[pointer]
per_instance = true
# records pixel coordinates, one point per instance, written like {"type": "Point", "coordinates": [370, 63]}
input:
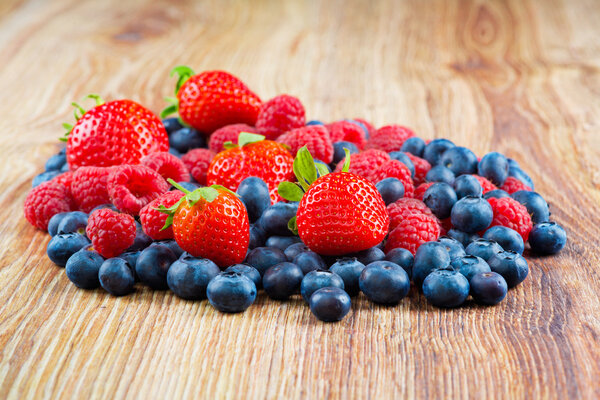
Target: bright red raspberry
{"type": "Point", "coordinates": [46, 200]}
{"type": "Point", "coordinates": [229, 133]}
{"type": "Point", "coordinates": [412, 231]}
{"type": "Point", "coordinates": [153, 220]}
{"type": "Point", "coordinates": [167, 165]}
{"type": "Point", "coordinates": [131, 187]}
{"type": "Point", "coordinates": [403, 207]}
{"type": "Point", "coordinates": [111, 232]}
{"type": "Point", "coordinates": [420, 190]}
{"type": "Point", "coordinates": [422, 167]}
{"type": "Point", "coordinates": [88, 187]}
{"type": "Point", "coordinates": [348, 132]}
{"type": "Point", "coordinates": [512, 184]}
{"type": "Point", "coordinates": [367, 124]}
{"type": "Point", "coordinates": [314, 137]}
{"type": "Point", "coordinates": [512, 214]}
{"type": "Point", "coordinates": [486, 184]}
{"type": "Point", "coordinates": [365, 163]}
{"type": "Point", "coordinates": [64, 179]}
{"type": "Point", "coordinates": [394, 169]}
{"type": "Point", "coordinates": [280, 115]}
{"type": "Point", "coordinates": [197, 162]}
{"type": "Point", "coordinates": [389, 138]}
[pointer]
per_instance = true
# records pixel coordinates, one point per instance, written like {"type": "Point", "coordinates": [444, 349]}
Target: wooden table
{"type": "Point", "coordinates": [521, 77]}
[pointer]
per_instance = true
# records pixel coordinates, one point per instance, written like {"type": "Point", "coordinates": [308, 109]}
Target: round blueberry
{"type": "Point", "coordinates": [73, 222]}
{"type": "Point", "coordinates": [445, 288]}
{"type": "Point", "coordinates": [429, 256]}
{"type": "Point", "coordinates": [185, 139]}
{"type": "Point", "coordinates": [404, 159]}
{"type": "Point", "coordinates": [494, 166]}
{"type": "Point", "coordinates": [496, 193]}
{"type": "Point", "coordinates": [512, 266]}
{"type": "Point", "coordinates": [470, 265]}
{"type": "Point", "coordinates": [338, 150]}
{"type": "Point", "coordinates": [188, 277]}
{"type": "Point", "coordinates": [172, 124]}
{"type": "Point", "coordinates": [254, 193]}
{"type": "Point", "coordinates": [414, 145]}
{"type": "Point", "coordinates": [55, 222]}
{"type": "Point", "coordinates": [44, 177]}
{"type": "Point", "coordinates": [517, 172]}
{"type": "Point", "coordinates": [471, 214]}
{"type": "Point", "coordinates": [384, 282]}
{"type": "Point", "coordinates": [369, 255]}
{"type": "Point", "coordinates": [172, 244]}
{"type": "Point", "coordinates": [439, 173]}
{"type": "Point", "coordinates": [63, 246]}
{"type": "Point", "coordinates": [483, 248]}
{"type": "Point", "coordinates": [314, 122]}
{"type": "Point", "coordinates": [282, 280]}
{"type": "Point", "coordinates": [141, 240]}
{"type": "Point", "coordinates": [65, 168]}
{"type": "Point", "coordinates": [282, 242]}
{"type": "Point", "coordinates": [403, 258]}
{"type": "Point", "coordinates": [56, 162]}
{"type": "Point", "coordinates": [294, 249]}
{"type": "Point", "coordinates": [263, 258]}
{"type": "Point", "coordinates": [257, 237]}
{"type": "Point", "coordinates": [488, 288]}
{"type": "Point", "coordinates": [467, 185]}
{"type": "Point", "coordinates": [131, 258]}
{"type": "Point", "coordinates": [274, 219]}
{"type": "Point", "coordinates": [535, 204]}
{"type": "Point", "coordinates": [309, 261]}
{"type": "Point", "coordinates": [459, 160]}
{"type": "Point", "coordinates": [547, 238]}
{"type": "Point", "coordinates": [391, 189]}
{"type": "Point", "coordinates": [349, 269]}
{"type": "Point", "coordinates": [231, 292]}
{"type": "Point", "coordinates": [248, 271]}
{"type": "Point", "coordinates": [463, 237]}
{"type": "Point", "coordinates": [440, 198]}
{"type": "Point", "coordinates": [453, 247]}
{"type": "Point", "coordinates": [434, 150]}
{"type": "Point", "coordinates": [153, 264]}
{"type": "Point", "coordinates": [330, 304]}
{"type": "Point", "coordinates": [508, 238]}
{"type": "Point", "coordinates": [319, 279]}
{"type": "Point", "coordinates": [82, 269]}
{"type": "Point", "coordinates": [116, 277]}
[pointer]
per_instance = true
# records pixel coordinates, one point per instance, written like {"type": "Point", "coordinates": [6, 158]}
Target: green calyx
{"type": "Point", "coordinates": [183, 74]}
{"type": "Point", "coordinates": [243, 139]}
{"type": "Point", "coordinates": [78, 112]}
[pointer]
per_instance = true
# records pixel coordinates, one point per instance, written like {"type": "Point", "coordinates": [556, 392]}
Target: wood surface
{"type": "Point", "coordinates": [521, 77]}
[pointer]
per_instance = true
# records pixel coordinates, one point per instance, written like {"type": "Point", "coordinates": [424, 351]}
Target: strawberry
{"type": "Point", "coordinates": [211, 100]}
{"type": "Point", "coordinates": [253, 156]}
{"type": "Point", "coordinates": [113, 133]}
{"type": "Point", "coordinates": [339, 212]}
{"type": "Point", "coordinates": [210, 222]}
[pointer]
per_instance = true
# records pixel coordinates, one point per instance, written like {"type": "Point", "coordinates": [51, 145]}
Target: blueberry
{"type": "Point", "coordinates": [324, 165]}
{"type": "Point", "coordinates": [470, 265]}
{"type": "Point", "coordinates": [319, 279]}
{"type": "Point", "coordinates": [263, 258]}
{"type": "Point", "coordinates": [547, 238]}
{"type": "Point", "coordinates": [116, 277]}
{"type": "Point", "coordinates": [453, 247]}
{"type": "Point", "coordinates": [517, 172]}
{"type": "Point", "coordinates": [56, 162]}
{"type": "Point", "coordinates": [187, 186]}
{"type": "Point", "coordinates": [414, 145]}
{"type": "Point", "coordinates": [471, 214]}
{"type": "Point", "coordinates": [44, 177]}
{"type": "Point", "coordinates": [459, 160]}
{"type": "Point", "coordinates": [274, 219]}
{"type": "Point", "coordinates": [434, 150]}
{"type": "Point", "coordinates": [65, 168]}
{"type": "Point", "coordinates": [535, 204]}
{"type": "Point", "coordinates": [172, 244]}
{"type": "Point", "coordinates": [188, 277]}
{"type": "Point", "coordinates": [282, 280]}
{"type": "Point", "coordinates": [141, 240]}
{"type": "Point", "coordinates": [512, 266]}
{"type": "Point", "coordinates": [152, 265]}
{"type": "Point", "coordinates": [462, 237]}
{"type": "Point", "coordinates": [483, 248]}
{"type": "Point", "coordinates": [186, 139]}
{"type": "Point", "coordinates": [349, 269]}
{"type": "Point", "coordinates": [488, 288]}
{"type": "Point", "coordinates": [330, 304]}
{"type": "Point", "coordinates": [314, 122]}
{"type": "Point", "coordinates": [404, 159]}
{"type": "Point", "coordinates": [496, 193]}
{"type": "Point", "coordinates": [62, 246]}
{"type": "Point", "coordinates": [257, 237]}
{"type": "Point", "coordinates": [384, 282]}
{"type": "Point", "coordinates": [282, 242]}
{"type": "Point", "coordinates": [73, 222]}
{"type": "Point", "coordinates": [55, 222]}
{"type": "Point", "coordinates": [391, 189]}
{"type": "Point", "coordinates": [507, 238]}
{"type": "Point", "coordinates": [439, 173]}
{"type": "Point", "coordinates": [362, 126]}
{"type": "Point", "coordinates": [467, 185]}
{"type": "Point", "coordinates": [131, 258]}
{"type": "Point", "coordinates": [403, 258]}
{"type": "Point", "coordinates": [254, 193]}
{"type": "Point", "coordinates": [369, 255]}
{"type": "Point", "coordinates": [82, 268]}
{"type": "Point", "coordinates": [172, 124]}
{"type": "Point", "coordinates": [429, 256]}
{"type": "Point", "coordinates": [494, 166]}
{"type": "Point", "coordinates": [294, 249]}
{"type": "Point", "coordinates": [338, 150]}
{"type": "Point", "coordinates": [440, 198]}
{"type": "Point", "coordinates": [445, 288]}
{"type": "Point", "coordinates": [249, 272]}
{"type": "Point", "coordinates": [231, 292]}
{"type": "Point", "coordinates": [309, 261]}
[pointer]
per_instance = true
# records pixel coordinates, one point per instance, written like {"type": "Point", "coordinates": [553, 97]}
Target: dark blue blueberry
{"type": "Point", "coordinates": [309, 261]}
{"type": "Point", "coordinates": [172, 124]}
{"type": "Point", "coordinates": [446, 288]}
{"type": "Point", "coordinates": [102, 206]}
{"type": "Point", "coordinates": [231, 292]}
{"type": "Point", "coordinates": [257, 237]}
{"type": "Point", "coordinates": [152, 265]}
{"type": "Point", "coordinates": [73, 222]}
{"type": "Point", "coordinates": [404, 159]}
{"type": "Point", "coordinates": [470, 265]}
{"type": "Point", "coordinates": [384, 282]}
{"type": "Point", "coordinates": [56, 162]}
{"type": "Point", "coordinates": [453, 247]}
{"type": "Point", "coordinates": [172, 244]}
{"type": "Point", "coordinates": [429, 256]}
{"type": "Point", "coordinates": [55, 222]}
{"type": "Point", "coordinates": [496, 193]}
{"type": "Point", "coordinates": [471, 214]}
{"type": "Point", "coordinates": [63, 246]}
{"type": "Point", "coordinates": [512, 266]}
{"type": "Point", "coordinates": [294, 249]}
{"type": "Point", "coordinates": [188, 277]}
{"type": "Point", "coordinates": [314, 122]}
{"type": "Point", "coordinates": [439, 173]}
{"type": "Point", "coordinates": [434, 150]}
{"type": "Point", "coordinates": [131, 258]}
{"type": "Point", "coordinates": [324, 165]}
{"type": "Point", "coordinates": [116, 277]}
{"type": "Point", "coordinates": [521, 175]}
{"type": "Point", "coordinates": [263, 258]}
{"type": "Point", "coordinates": [330, 304]}
{"type": "Point", "coordinates": [254, 193]}
{"type": "Point", "coordinates": [319, 279]}
{"type": "Point", "coordinates": [403, 258]}
{"type": "Point", "coordinates": [547, 238]}
{"type": "Point", "coordinates": [82, 268]}
{"type": "Point", "coordinates": [369, 255]}
{"type": "Point", "coordinates": [282, 242]}
{"type": "Point", "coordinates": [44, 177]}
{"type": "Point", "coordinates": [248, 271]}
{"type": "Point", "coordinates": [274, 219]}
{"type": "Point", "coordinates": [508, 238]}
{"type": "Point", "coordinates": [349, 269]}
{"type": "Point", "coordinates": [391, 189]}
{"type": "Point", "coordinates": [463, 237]}
{"type": "Point", "coordinates": [186, 139]}
{"type": "Point", "coordinates": [494, 166]}
{"type": "Point", "coordinates": [175, 152]}
{"type": "Point", "coordinates": [535, 204]}
{"type": "Point", "coordinates": [64, 168]}
{"type": "Point", "coordinates": [282, 280]}
{"type": "Point", "coordinates": [414, 145]}
{"type": "Point", "coordinates": [141, 240]}
{"type": "Point", "coordinates": [483, 248]}
{"type": "Point", "coordinates": [488, 288]}
{"type": "Point", "coordinates": [467, 185]}
{"type": "Point", "coordinates": [187, 186]}
{"type": "Point", "coordinates": [338, 150]}
{"type": "Point", "coordinates": [459, 160]}
{"type": "Point", "coordinates": [440, 198]}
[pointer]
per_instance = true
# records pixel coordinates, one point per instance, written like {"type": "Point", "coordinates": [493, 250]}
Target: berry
{"type": "Point", "coordinates": [483, 248]}
{"type": "Point", "coordinates": [547, 238]}
{"type": "Point", "coordinates": [153, 220]}
{"type": "Point", "coordinates": [347, 131]}
{"type": "Point", "coordinates": [55, 222]}
{"type": "Point", "coordinates": [229, 133]}
{"type": "Point", "coordinates": [263, 258]}
{"type": "Point", "coordinates": [414, 145]}
{"type": "Point", "coordinates": [110, 232]}
{"type": "Point", "coordinates": [422, 167]}
{"type": "Point", "coordinates": [433, 150]}
{"type": "Point", "coordinates": [309, 261]}
{"type": "Point", "coordinates": [512, 185]}
{"type": "Point", "coordinates": [519, 174]}
{"type": "Point", "coordinates": [274, 219]}
{"type": "Point", "coordinates": [324, 168]}
{"type": "Point", "coordinates": [453, 247]}
{"type": "Point", "coordinates": [391, 189]}
{"type": "Point", "coordinates": [469, 266]}
{"type": "Point", "coordinates": [369, 255]}
{"type": "Point", "coordinates": [231, 292]}
{"type": "Point", "coordinates": [459, 160]}
{"type": "Point", "coordinates": [403, 258]}
{"type": "Point", "coordinates": [330, 304]}
{"type": "Point", "coordinates": [171, 124]}
{"type": "Point", "coordinates": [131, 257]}
{"type": "Point", "coordinates": [167, 165]}
{"type": "Point", "coordinates": [89, 187]}
{"type": "Point", "coordinates": [257, 237]}
{"type": "Point", "coordinates": [444, 288]}
{"type": "Point", "coordinates": [188, 277]}
{"type": "Point", "coordinates": [152, 265]}
{"type": "Point", "coordinates": [389, 138]}
{"type": "Point", "coordinates": [505, 237]}
{"type": "Point", "coordinates": [467, 185]}
{"type": "Point", "coordinates": [421, 189]}
{"type": "Point", "coordinates": [401, 208]}
{"type": "Point", "coordinates": [349, 269]}
{"type": "Point", "coordinates": [44, 177]}
{"type": "Point", "coordinates": [535, 204]}
{"type": "Point", "coordinates": [488, 288]}
{"type": "Point", "coordinates": [314, 122]}
{"type": "Point", "coordinates": [197, 161]}
{"type": "Point", "coordinates": [175, 152]}
{"type": "Point", "coordinates": [404, 159]}
{"type": "Point", "coordinates": [394, 169]}
{"type": "Point", "coordinates": [471, 214]}
{"type": "Point", "coordinates": [56, 162]}
{"type": "Point", "coordinates": [186, 139]}
{"type": "Point", "coordinates": [82, 268]}
{"type": "Point", "coordinates": [494, 166]}
{"type": "Point", "coordinates": [318, 279]}
{"type": "Point", "coordinates": [254, 193]}
{"type": "Point", "coordinates": [315, 138]}
{"type": "Point", "coordinates": [429, 257]}
{"type": "Point", "coordinates": [339, 152]}
{"type": "Point", "coordinates": [131, 187]}
{"type": "Point", "coordinates": [116, 277]}
{"type": "Point", "coordinates": [280, 115]}
{"type": "Point", "coordinates": [512, 266]}
{"type": "Point", "coordinates": [486, 185]}
{"type": "Point", "coordinates": [73, 222]}
{"type": "Point", "coordinates": [510, 213]}
{"type": "Point", "coordinates": [497, 193]}
{"type": "Point", "coordinates": [412, 231]}
{"type": "Point", "coordinates": [384, 282]}
{"type": "Point", "coordinates": [64, 245]}
{"type": "Point", "coordinates": [282, 242]}
{"type": "Point", "coordinates": [440, 198]}
{"type": "Point", "coordinates": [365, 163]}
{"type": "Point", "coordinates": [249, 272]}
{"type": "Point", "coordinates": [45, 201]}
{"type": "Point", "coordinates": [440, 173]}
{"type": "Point", "coordinates": [282, 280]}
{"type": "Point", "coordinates": [367, 126]}
{"type": "Point", "coordinates": [463, 237]}
{"type": "Point", "coordinates": [294, 249]}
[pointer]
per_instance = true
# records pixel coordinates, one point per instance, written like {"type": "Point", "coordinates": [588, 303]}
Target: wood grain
{"type": "Point", "coordinates": [521, 77]}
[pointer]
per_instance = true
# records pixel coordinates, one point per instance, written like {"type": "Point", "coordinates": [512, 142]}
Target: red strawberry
{"type": "Point", "coordinates": [153, 220]}
{"type": "Point", "coordinates": [279, 115]}
{"type": "Point", "coordinates": [314, 137]}
{"type": "Point", "coordinates": [111, 232]}
{"type": "Point", "coordinates": [212, 99]}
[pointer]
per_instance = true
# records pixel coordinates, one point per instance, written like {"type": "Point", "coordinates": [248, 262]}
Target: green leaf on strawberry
{"type": "Point", "coordinates": [290, 191]}
{"type": "Point", "coordinates": [293, 226]}
{"type": "Point", "coordinates": [78, 113]}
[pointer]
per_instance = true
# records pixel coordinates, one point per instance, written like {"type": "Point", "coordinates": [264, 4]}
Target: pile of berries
{"type": "Point", "coordinates": [238, 195]}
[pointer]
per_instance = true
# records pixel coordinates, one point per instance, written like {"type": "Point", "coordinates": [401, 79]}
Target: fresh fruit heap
{"type": "Point", "coordinates": [237, 195]}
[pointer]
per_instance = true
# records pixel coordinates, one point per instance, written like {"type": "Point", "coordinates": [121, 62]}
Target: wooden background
{"type": "Point", "coordinates": [521, 77]}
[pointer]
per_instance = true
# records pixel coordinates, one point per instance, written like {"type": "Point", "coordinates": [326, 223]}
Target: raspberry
{"type": "Point", "coordinates": [131, 187]}
{"type": "Point", "coordinates": [280, 115]}
{"type": "Point", "coordinates": [111, 232]}
{"type": "Point", "coordinates": [404, 207]}
{"type": "Point", "coordinates": [64, 179]}
{"type": "Point", "coordinates": [512, 184]}
{"type": "Point", "coordinates": [88, 187]}
{"type": "Point", "coordinates": [394, 169]}
{"type": "Point", "coordinates": [512, 214]}
{"type": "Point", "coordinates": [420, 190]}
{"type": "Point", "coordinates": [228, 133]}
{"type": "Point", "coordinates": [422, 167]}
{"type": "Point", "coordinates": [167, 165]}
{"type": "Point", "coordinates": [153, 220]}
{"type": "Point", "coordinates": [367, 125]}
{"type": "Point", "coordinates": [412, 231]}
{"type": "Point", "coordinates": [347, 131]}
{"type": "Point", "coordinates": [366, 163]}
{"type": "Point", "coordinates": [389, 138]}
{"type": "Point", "coordinates": [485, 183]}
{"type": "Point", "coordinates": [197, 162]}
{"type": "Point", "coordinates": [46, 200]}
{"type": "Point", "coordinates": [314, 137]}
